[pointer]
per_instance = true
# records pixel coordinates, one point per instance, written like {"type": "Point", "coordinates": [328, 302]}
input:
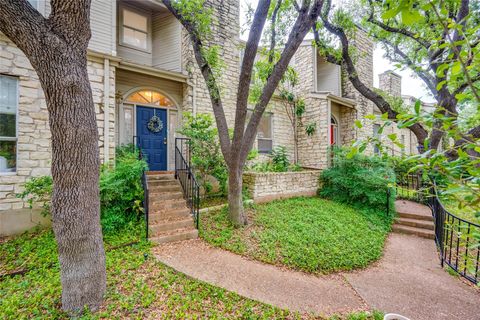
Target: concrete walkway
{"type": "Point", "coordinates": [408, 280]}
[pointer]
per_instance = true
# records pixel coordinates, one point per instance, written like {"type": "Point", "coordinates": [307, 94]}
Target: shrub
{"type": "Point", "coordinates": [278, 162]}
{"type": "Point", "coordinates": [206, 156]}
{"type": "Point", "coordinates": [358, 180]}
{"type": "Point", "coordinates": [38, 190]}
{"type": "Point", "coordinates": [121, 191]}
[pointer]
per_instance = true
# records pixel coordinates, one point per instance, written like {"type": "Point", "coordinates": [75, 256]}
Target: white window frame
{"type": "Point", "coordinates": [14, 139]}
{"type": "Point", "coordinates": [145, 14]}
{"type": "Point", "coordinates": [271, 133]}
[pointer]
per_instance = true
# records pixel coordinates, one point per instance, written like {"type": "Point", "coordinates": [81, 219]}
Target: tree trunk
{"type": "Point", "coordinates": [75, 172]}
{"type": "Point", "coordinates": [236, 211]}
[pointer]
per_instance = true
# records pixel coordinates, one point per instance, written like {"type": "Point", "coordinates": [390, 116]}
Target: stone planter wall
{"type": "Point", "coordinates": [268, 186]}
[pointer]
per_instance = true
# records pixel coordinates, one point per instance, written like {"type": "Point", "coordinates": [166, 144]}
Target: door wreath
{"type": "Point", "coordinates": [155, 125]}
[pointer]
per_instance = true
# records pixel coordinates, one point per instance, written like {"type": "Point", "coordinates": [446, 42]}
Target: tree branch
{"type": "Point", "coordinates": [245, 77]}
{"type": "Point", "coordinates": [303, 24]}
{"type": "Point", "coordinates": [391, 29]}
{"type": "Point", "coordinates": [379, 101]}
{"type": "Point", "coordinates": [208, 75]}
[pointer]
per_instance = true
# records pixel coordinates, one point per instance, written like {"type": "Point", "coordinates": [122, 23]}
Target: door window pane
{"type": "Point", "coordinates": [8, 156]}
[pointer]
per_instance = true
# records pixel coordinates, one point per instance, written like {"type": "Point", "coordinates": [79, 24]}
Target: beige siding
{"type": "Point", "coordinates": [166, 43]}
{"type": "Point", "coordinates": [127, 80]}
{"type": "Point", "coordinates": [328, 77]}
{"type": "Point", "coordinates": [102, 22]}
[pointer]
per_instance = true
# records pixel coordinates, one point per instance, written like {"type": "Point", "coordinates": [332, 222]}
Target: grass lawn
{"type": "Point", "coordinates": [308, 234]}
{"type": "Point", "coordinates": [137, 288]}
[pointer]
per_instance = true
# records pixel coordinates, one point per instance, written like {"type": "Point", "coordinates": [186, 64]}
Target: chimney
{"type": "Point", "coordinates": [391, 83]}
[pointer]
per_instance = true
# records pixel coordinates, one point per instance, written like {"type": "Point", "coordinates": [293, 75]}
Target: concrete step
{"type": "Point", "coordinates": [167, 205]}
{"type": "Point", "coordinates": [157, 217]}
{"type": "Point", "coordinates": [423, 224]}
{"type": "Point", "coordinates": [156, 173]}
{"type": "Point", "coordinates": [415, 216]}
{"type": "Point", "coordinates": [162, 196]}
{"type": "Point", "coordinates": [163, 182]}
{"type": "Point", "coordinates": [164, 188]}
{"type": "Point", "coordinates": [420, 232]}
{"type": "Point", "coordinates": [170, 225]}
{"type": "Point", "coordinates": [158, 177]}
{"type": "Point", "coordinates": [177, 235]}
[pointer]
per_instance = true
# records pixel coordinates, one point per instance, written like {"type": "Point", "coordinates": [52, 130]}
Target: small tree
{"type": "Point", "coordinates": [195, 17]}
{"type": "Point", "coordinates": [57, 49]}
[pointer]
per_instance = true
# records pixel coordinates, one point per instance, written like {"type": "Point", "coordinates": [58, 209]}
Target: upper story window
{"type": "Point", "coordinates": [8, 123]}
{"type": "Point", "coordinates": [135, 29]}
{"type": "Point", "coordinates": [376, 129]}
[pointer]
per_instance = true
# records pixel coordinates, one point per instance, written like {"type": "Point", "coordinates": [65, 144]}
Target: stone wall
{"type": "Point", "coordinates": [314, 150]}
{"type": "Point", "coordinates": [33, 131]}
{"type": "Point", "coordinates": [364, 66]}
{"type": "Point", "coordinates": [226, 34]}
{"type": "Point", "coordinates": [268, 186]}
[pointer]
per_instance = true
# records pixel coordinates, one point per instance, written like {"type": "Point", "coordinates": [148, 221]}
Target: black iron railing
{"type": "Point", "coordinates": [457, 240]}
{"type": "Point", "coordinates": [184, 174]}
{"type": "Point", "coordinates": [411, 187]}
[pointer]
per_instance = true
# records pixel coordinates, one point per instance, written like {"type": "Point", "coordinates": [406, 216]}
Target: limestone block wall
{"type": "Point", "coordinates": [364, 66]}
{"type": "Point", "coordinates": [225, 31]}
{"type": "Point", "coordinates": [267, 186]}
{"type": "Point", "coordinates": [313, 150]}
{"type": "Point", "coordinates": [33, 131]}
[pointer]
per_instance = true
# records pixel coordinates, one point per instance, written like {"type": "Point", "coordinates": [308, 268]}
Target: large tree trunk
{"type": "Point", "coordinates": [57, 49]}
{"type": "Point", "coordinates": [75, 171]}
{"type": "Point", "coordinates": [236, 211]}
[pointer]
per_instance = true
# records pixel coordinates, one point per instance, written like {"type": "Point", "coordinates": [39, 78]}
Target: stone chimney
{"type": "Point", "coordinates": [391, 83]}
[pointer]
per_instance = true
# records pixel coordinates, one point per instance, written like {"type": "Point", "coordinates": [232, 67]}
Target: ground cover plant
{"type": "Point", "coordinates": [138, 287]}
{"type": "Point", "coordinates": [308, 234]}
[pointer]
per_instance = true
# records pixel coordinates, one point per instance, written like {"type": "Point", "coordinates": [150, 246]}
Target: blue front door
{"type": "Point", "coordinates": [153, 141]}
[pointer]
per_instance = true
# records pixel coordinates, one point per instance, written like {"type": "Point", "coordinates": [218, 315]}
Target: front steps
{"type": "Point", "coordinates": [169, 217]}
{"type": "Point", "coordinates": [413, 218]}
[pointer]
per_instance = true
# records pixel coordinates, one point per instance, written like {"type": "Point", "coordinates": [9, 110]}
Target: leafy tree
{"type": "Point", "coordinates": [195, 16]}
{"type": "Point", "coordinates": [57, 49]}
{"type": "Point", "coordinates": [206, 156]}
{"type": "Point", "coordinates": [439, 41]}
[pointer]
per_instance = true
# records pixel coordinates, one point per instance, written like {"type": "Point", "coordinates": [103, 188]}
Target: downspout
{"type": "Point", "coordinates": [106, 110]}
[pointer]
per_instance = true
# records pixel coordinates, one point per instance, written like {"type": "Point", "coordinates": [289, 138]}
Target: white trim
{"type": "Point", "coordinates": [17, 112]}
{"type": "Point", "coordinates": [121, 8]}
{"type": "Point", "coordinates": [141, 88]}
{"type": "Point", "coordinates": [106, 110]}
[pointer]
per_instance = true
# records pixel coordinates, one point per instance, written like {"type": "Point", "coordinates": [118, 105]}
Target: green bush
{"type": "Point", "coordinates": [278, 162]}
{"type": "Point", "coordinates": [359, 180]}
{"type": "Point", "coordinates": [121, 191]}
{"type": "Point", "coordinates": [38, 190]}
{"type": "Point", "coordinates": [207, 159]}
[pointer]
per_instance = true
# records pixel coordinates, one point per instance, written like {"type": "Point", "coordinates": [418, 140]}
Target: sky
{"type": "Point", "coordinates": [411, 85]}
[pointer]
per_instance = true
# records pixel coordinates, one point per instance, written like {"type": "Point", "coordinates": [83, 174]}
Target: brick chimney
{"type": "Point", "coordinates": [391, 83]}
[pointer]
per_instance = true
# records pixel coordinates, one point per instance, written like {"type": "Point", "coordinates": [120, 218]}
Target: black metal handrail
{"type": "Point", "coordinates": [184, 174]}
{"type": "Point", "coordinates": [457, 239]}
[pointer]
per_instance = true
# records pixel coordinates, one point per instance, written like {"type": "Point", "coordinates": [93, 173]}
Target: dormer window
{"type": "Point", "coordinates": [135, 31]}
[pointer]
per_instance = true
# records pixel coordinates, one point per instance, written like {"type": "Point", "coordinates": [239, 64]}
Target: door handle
{"type": "Point", "coordinates": [164, 140]}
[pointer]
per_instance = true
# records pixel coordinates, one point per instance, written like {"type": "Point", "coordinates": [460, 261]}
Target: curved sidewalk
{"type": "Point", "coordinates": [408, 280]}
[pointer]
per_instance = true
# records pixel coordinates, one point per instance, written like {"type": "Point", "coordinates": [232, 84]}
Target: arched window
{"type": "Point", "coordinates": [334, 139]}
{"type": "Point", "coordinates": [149, 97]}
